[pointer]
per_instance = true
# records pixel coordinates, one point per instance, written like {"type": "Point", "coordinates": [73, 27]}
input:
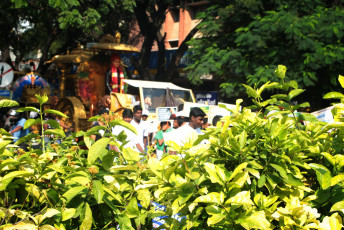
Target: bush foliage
{"type": "Point", "coordinates": [261, 170]}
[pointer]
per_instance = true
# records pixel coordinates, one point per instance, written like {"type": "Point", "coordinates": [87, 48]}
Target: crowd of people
{"type": "Point", "coordinates": [150, 136]}
{"type": "Point", "coordinates": [154, 137]}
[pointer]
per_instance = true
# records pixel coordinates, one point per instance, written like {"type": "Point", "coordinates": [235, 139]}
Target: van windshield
{"type": "Point", "coordinates": [154, 98]}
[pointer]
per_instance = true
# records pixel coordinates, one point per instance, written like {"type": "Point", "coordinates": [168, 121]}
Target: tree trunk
{"type": "Point", "coordinates": [149, 23]}
{"type": "Point", "coordinates": [172, 69]}
{"type": "Point", "coordinates": [161, 65]}
{"type": "Point", "coordinates": [42, 67]}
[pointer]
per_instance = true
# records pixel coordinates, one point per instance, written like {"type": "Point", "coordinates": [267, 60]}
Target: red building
{"type": "Point", "coordinates": [179, 22]}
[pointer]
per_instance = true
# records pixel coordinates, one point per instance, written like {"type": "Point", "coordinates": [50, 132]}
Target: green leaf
{"type": "Point", "coordinates": [144, 196]}
{"type": "Point", "coordinates": [238, 170]}
{"type": "Point", "coordinates": [31, 122]}
{"type": "Point", "coordinates": [216, 174]}
{"type": "Point", "coordinates": [131, 155]}
{"type": "Point", "coordinates": [57, 132]}
{"type": "Point", "coordinates": [57, 168]}
{"type": "Point", "coordinates": [27, 109]}
{"type": "Point", "coordinates": [255, 220]}
{"type": "Point", "coordinates": [10, 176]}
{"type": "Point", "coordinates": [261, 89]}
{"type": "Point", "coordinates": [242, 139]}
{"type": "Point", "coordinates": [124, 124]}
{"type": "Point", "coordinates": [53, 123]}
{"type": "Point", "coordinates": [295, 93]}
{"type": "Point", "coordinates": [71, 193]}
{"type": "Point", "coordinates": [4, 143]}
{"type": "Point", "coordinates": [280, 71]}
{"type": "Point", "coordinates": [58, 113]}
{"type": "Point", "coordinates": [98, 191]}
{"type": "Point", "coordinates": [323, 175]}
{"type": "Point", "coordinates": [250, 91]}
{"type": "Point", "coordinates": [108, 161]}
{"type": "Point", "coordinates": [281, 97]}
{"type": "Point", "coordinates": [334, 95]}
{"type": "Point", "coordinates": [280, 170]}
{"type": "Point", "coordinates": [124, 222]}
{"type": "Point", "coordinates": [242, 198]}
{"type": "Point", "coordinates": [338, 207]}
{"type": "Point", "coordinates": [87, 222]}
{"type": "Point", "coordinates": [156, 166]}
{"type": "Point", "coordinates": [68, 213]}
{"type": "Point", "coordinates": [291, 180]}
{"type": "Point", "coordinates": [214, 219]}
{"type": "Point", "coordinates": [261, 181]}
{"type": "Point", "coordinates": [340, 79]}
{"type": "Point", "coordinates": [116, 196]}
{"type": "Point", "coordinates": [8, 103]}
{"type": "Point", "coordinates": [337, 179]}
{"type": "Point", "coordinates": [132, 210]}
{"type": "Point", "coordinates": [212, 198]}
{"type": "Point", "coordinates": [42, 99]}
{"type": "Point", "coordinates": [307, 117]}
{"type": "Point", "coordinates": [48, 214]}
{"type": "Point", "coordinates": [97, 149]}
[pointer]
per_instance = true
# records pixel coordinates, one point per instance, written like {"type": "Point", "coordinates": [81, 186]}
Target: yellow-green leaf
{"type": "Point", "coordinates": [97, 149]}
{"type": "Point", "coordinates": [87, 222]}
{"type": "Point", "coordinates": [68, 213]}
{"type": "Point", "coordinates": [338, 207]}
{"type": "Point", "coordinates": [341, 80]}
{"type": "Point", "coordinates": [98, 191]}
{"type": "Point", "coordinates": [131, 155]}
{"type": "Point", "coordinates": [144, 196]}
{"type": "Point", "coordinates": [256, 220]}
{"type": "Point", "coordinates": [213, 197]}
{"type": "Point", "coordinates": [242, 198]}
{"type": "Point", "coordinates": [238, 170]}
{"type": "Point", "coordinates": [337, 179]}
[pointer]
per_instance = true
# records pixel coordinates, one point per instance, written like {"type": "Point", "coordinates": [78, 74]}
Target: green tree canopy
{"type": "Point", "coordinates": [244, 41]}
{"type": "Point", "coordinates": [58, 25]}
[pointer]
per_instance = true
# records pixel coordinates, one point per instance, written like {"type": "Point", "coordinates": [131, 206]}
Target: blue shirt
{"type": "Point", "coordinates": [22, 132]}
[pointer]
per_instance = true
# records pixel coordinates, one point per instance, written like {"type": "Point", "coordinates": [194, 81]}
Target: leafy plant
{"type": "Point", "coordinates": [261, 170]}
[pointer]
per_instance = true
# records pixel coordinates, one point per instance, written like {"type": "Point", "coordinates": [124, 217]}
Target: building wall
{"type": "Point", "coordinates": [178, 23]}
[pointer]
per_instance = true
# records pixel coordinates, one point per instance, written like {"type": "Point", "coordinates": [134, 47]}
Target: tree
{"type": "Point", "coordinates": [56, 26]}
{"type": "Point", "coordinates": [150, 16]}
{"type": "Point", "coordinates": [244, 41]}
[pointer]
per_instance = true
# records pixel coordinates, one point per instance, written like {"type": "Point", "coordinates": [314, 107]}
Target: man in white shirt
{"type": "Point", "coordinates": [132, 138]}
{"type": "Point", "coordinates": [140, 126]}
{"type": "Point", "coordinates": [187, 132]}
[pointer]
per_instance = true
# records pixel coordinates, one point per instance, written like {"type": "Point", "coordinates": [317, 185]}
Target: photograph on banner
{"type": "Point", "coordinates": [164, 113]}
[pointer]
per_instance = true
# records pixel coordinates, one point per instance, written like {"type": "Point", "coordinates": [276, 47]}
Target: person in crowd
{"type": "Point", "coordinates": [216, 119]}
{"type": "Point", "coordinates": [115, 76]}
{"type": "Point", "coordinates": [140, 126]}
{"type": "Point", "coordinates": [188, 132]}
{"type": "Point", "coordinates": [145, 114]}
{"type": "Point", "coordinates": [131, 139]}
{"type": "Point", "coordinates": [175, 123]}
{"type": "Point", "coordinates": [104, 103]}
{"type": "Point", "coordinates": [101, 132]}
{"type": "Point", "coordinates": [6, 121]}
{"type": "Point", "coordinates": [175, 134]}
{"type": "Point", "coordinates": [160, 144]}
{"type": "Point", "coordinates": [147, 127]}
{"type": "Point", "coordinates": [17, 125]}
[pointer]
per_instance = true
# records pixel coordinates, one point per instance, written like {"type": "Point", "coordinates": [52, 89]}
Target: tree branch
{"type": "Point", "coordinates": [172, 69]}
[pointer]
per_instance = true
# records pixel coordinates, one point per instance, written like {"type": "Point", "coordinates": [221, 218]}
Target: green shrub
{"type": "Point", "coordinates": [261, 170]}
